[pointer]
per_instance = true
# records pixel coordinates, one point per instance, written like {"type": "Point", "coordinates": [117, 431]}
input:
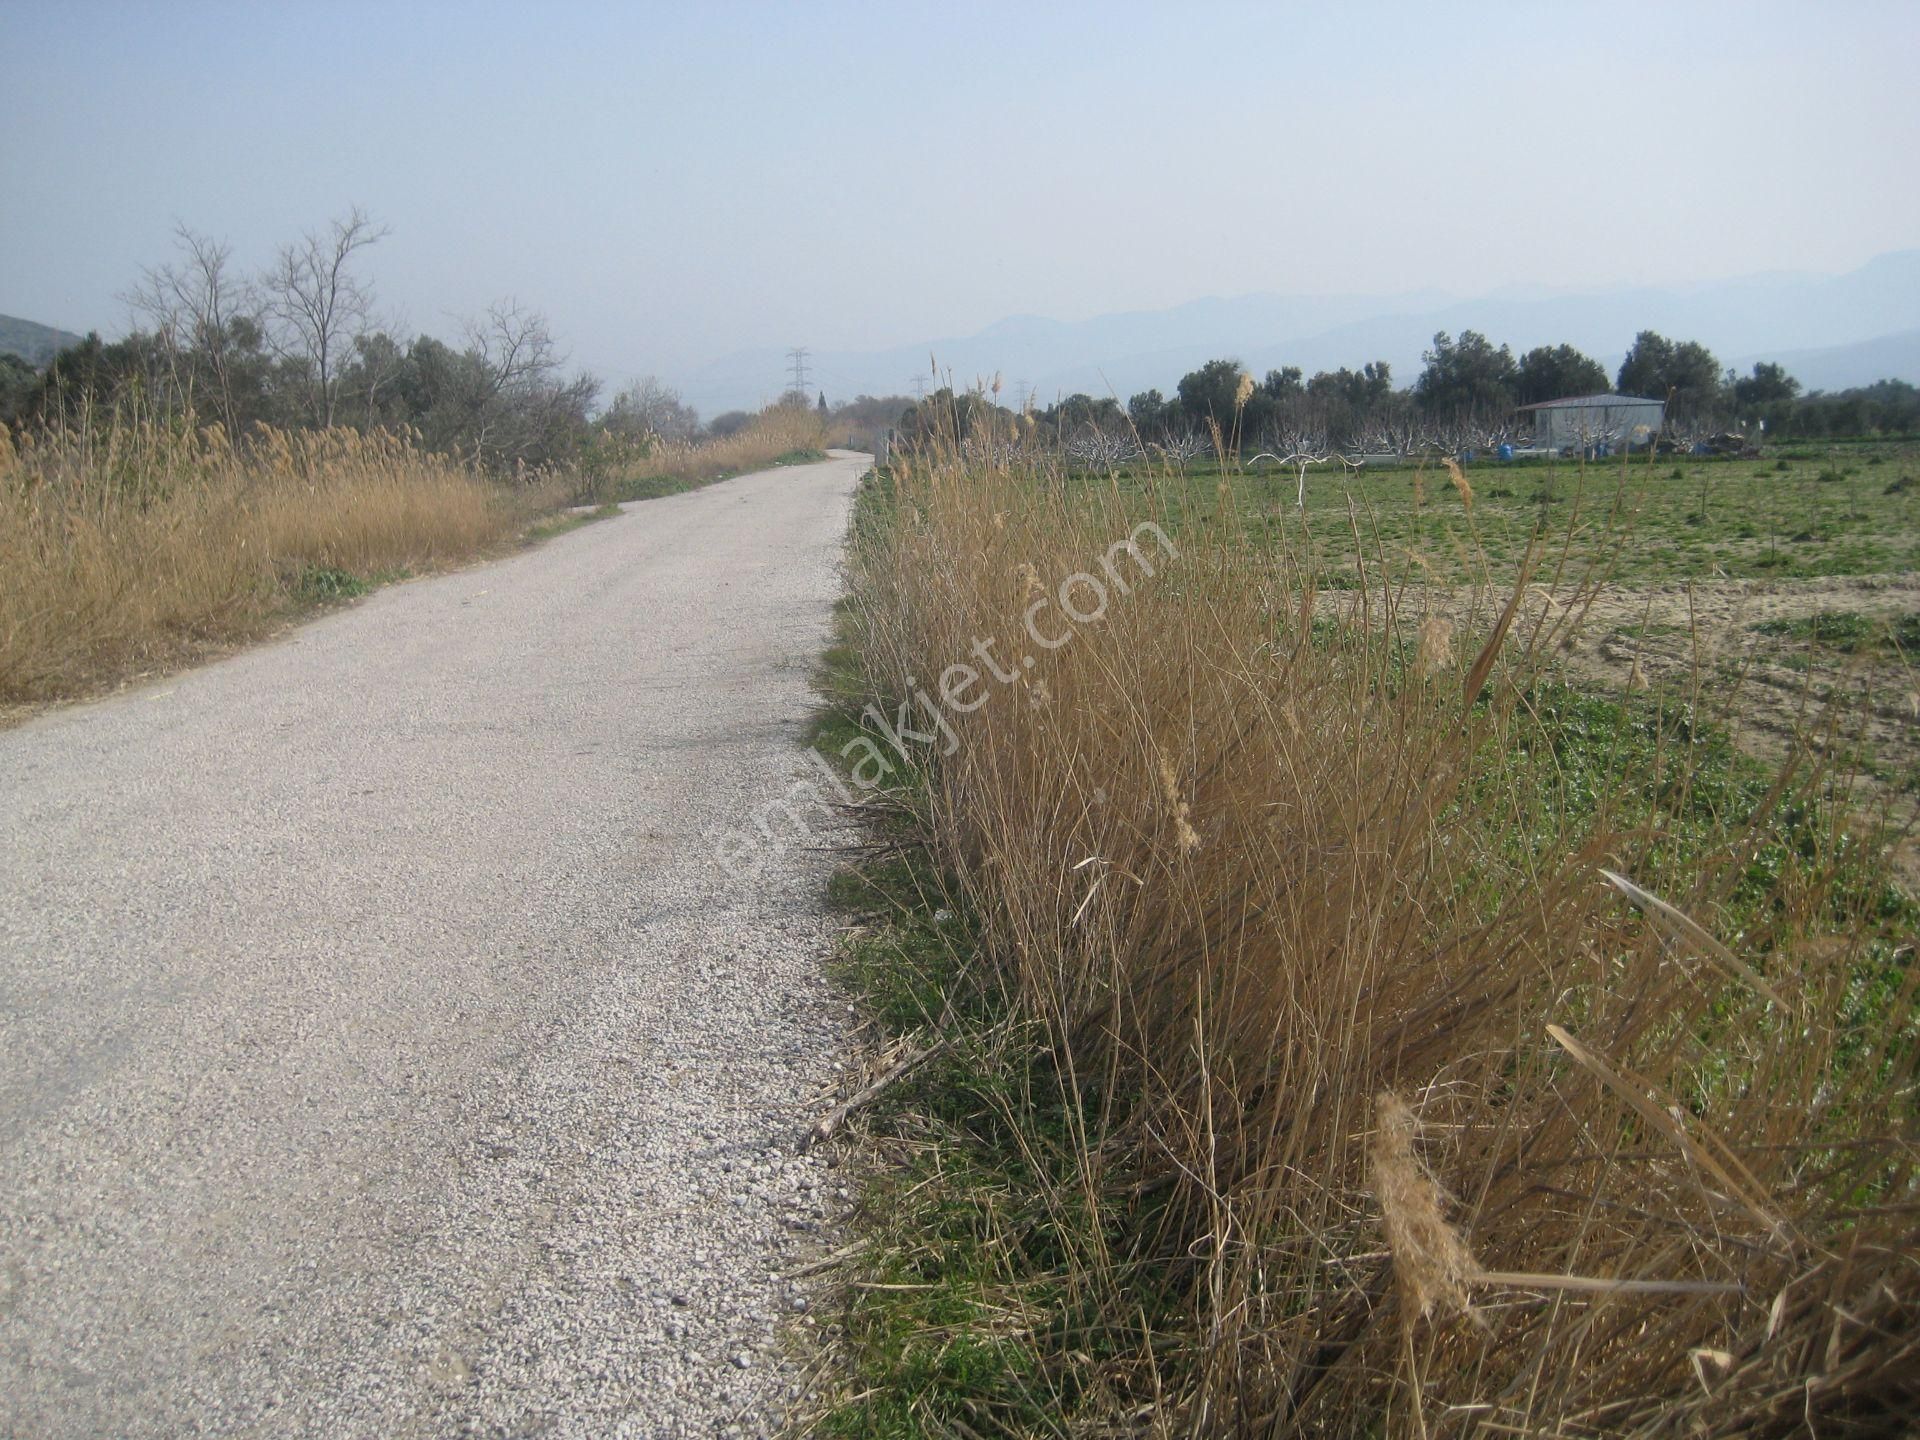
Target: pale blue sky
{"type": "Point", "coordinates": [672, 182]}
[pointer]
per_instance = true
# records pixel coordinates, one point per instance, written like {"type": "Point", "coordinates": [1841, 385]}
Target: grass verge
{"type": "Point", "coordinates": [571, 520]}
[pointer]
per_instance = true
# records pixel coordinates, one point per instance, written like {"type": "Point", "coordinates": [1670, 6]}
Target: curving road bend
{"type": "Point", "coordinates": [382, 1052]}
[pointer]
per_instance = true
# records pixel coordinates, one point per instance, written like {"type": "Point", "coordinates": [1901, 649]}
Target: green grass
{"type": "Point", "coordinates": [318, 586]}
{"type": "Point", "coordinates": [960, 1318]}
{"type": "Point", "coordinates": [1849, 633]}
{"type": "Point", "coordinates": [1678, 776]}
{"type": "Point", "coordinates": [958, 1222]}
{"type": "Point", "coordinates": [1665, 522]}
{"type": "Point", "coordinates": [561, 524]}
{"type": "Point", "coordinates": [325, 586]}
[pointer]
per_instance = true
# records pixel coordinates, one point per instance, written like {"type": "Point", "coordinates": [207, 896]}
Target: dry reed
{"type": "Point", "coordinates": [778, 431]}
{"type": "Point", "coordinates": [132, 545]}
{"type": "Point", "coordinates": [1342, 881]}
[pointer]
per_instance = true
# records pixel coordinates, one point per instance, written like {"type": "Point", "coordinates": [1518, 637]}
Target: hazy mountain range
{"type": "Point", "coordinates": [34, 343]}
{"type": "Point", "coordinates": [1831, 331]}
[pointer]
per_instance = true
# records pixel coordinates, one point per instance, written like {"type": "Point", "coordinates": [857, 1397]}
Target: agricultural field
{"type": "Point", "coordinates": [1653, 520]}
{"type": "Point", "coordinates": [1762, 590]}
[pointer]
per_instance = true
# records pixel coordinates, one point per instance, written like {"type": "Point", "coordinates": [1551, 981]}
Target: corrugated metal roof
{"type": "Point", "coordinates": [1591, 402]}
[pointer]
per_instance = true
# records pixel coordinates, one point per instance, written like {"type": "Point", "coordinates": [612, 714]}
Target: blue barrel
{"type": "Point", "coordinates": [1506, 452]}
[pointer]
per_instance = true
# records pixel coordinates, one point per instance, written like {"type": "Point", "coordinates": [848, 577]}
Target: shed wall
{"type": "Point", "coordinates": [1635, 422]}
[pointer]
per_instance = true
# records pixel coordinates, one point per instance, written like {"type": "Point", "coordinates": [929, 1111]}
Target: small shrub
{"type": "Point", "coordinates": [322, 584]}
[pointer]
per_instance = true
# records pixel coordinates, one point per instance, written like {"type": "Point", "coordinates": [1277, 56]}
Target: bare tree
{"type": "Point", "coordinates": [523, 411]}
{"type": "Point", "coordinates": [1398, 435]}
{"type": "Point", "coordinates": [518, 357]}
{"type": "Point", "coordinates": [1094, 446]}
{"type": "Point", "coordinates": [318, 306]}
{"type": "Point", "coordinates": [198, 308]}
{"type": "Point", "coordinates": [515, 344]}
{"type": "Point", "coordinates": [648, 407]}
{"type": "Point", "coordinates": [1182, 446]}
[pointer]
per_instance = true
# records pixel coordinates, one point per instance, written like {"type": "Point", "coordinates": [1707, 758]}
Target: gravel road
{"type": "Point", "coordinates": [381, 1051]}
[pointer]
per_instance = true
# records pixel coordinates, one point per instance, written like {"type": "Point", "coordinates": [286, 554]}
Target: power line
{"type": "Point", "coordinates": [797, 362]}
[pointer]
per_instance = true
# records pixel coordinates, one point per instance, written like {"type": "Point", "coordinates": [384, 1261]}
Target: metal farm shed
{"type": "Point", "coordinates": [1581, 421]}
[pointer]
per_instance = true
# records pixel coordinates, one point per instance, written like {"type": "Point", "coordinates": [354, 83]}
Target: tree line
{"type": "Point", "coordinates": [301, 343]}
{"type": "Point", "coordinates": [1470, 391]}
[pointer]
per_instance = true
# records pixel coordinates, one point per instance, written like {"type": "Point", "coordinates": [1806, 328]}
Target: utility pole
{"type": "Point", "coordinates": [797, 362]}
{"type": "Point", "coordinates": [919, 387]}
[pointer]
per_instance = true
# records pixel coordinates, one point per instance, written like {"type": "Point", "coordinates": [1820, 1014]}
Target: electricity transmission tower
{"type": "Point", "coordinates": [797, 363]}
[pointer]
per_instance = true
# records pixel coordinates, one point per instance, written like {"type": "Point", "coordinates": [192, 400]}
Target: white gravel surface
{"type": "Point", "coordinates": [381, 1052]}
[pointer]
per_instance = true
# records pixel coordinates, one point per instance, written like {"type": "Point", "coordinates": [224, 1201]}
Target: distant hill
{"type": "Point", "coordinates": [1841, 367]}
{"type": "Point", "coordinates": [1824, 325]}
{"type": "Point", "coordinates": [33, 343]}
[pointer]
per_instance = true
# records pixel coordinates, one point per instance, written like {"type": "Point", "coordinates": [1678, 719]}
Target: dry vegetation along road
{"type": "Point", "coordinates": [380, 1051]}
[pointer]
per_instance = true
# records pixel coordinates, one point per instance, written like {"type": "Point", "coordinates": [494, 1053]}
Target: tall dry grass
{"type": "Point", "coordinates": [130, 544]}
{"type": "Point", "coordinates": [1391, 1113]}
{"type": "Point", "coordinates": [662, 465]}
